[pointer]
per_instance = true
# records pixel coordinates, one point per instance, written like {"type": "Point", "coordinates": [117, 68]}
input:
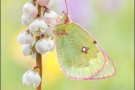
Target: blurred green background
{"type": "Point", "coordinates": [111, 22]}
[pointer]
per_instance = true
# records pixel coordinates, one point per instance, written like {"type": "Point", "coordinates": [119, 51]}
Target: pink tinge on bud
{"type": "Point", "coordinates": [38, 24]}
{"type": "Point", "coordinates": [27, 20]}
{"type": "Point", "coordinates": [43, 2]}
{"type": "Point", "coordinates": [49, 5]}
{"type": "Point", "coordinates": [26, 38]}
{"type": "Point", "coordinates": [50, 17]}
{"type": "Point", "coordinates": [26, 49]}
{"type": "Point", "coordinates": [42, 46]}
{"type": "Point", "coordinates": [30, 9]}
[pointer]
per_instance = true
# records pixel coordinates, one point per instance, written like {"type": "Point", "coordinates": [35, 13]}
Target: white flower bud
{"type": "Point", "coordinates": [30, 9]}
{"type": "Point", "coordinates": [31, 77]}
{"type": "Point", "coordinates": [50, 4]}
{"type": "Point", "coordinates": [26, 38]}
{"type": "Point", "coordinates": [26, 49]}
{"type": "Point", "coordinates": [43, 2]}
{"type": "Point", "coordinates": [38, 24]}
{"type": "Point", "coordinates": [42, 46]}
{"type": "Point", "coordinates": [50, 17]}
{"type": "Point", "coordinates": [27, 20]}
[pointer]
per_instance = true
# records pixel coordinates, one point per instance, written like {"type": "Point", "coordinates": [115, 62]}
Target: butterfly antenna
{"type": "Point", "coordinates": [66, 6]}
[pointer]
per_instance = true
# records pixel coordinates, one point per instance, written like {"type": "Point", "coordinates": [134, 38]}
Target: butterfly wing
{"type": "Point", "coordinates": [108, 71]}
{"type": "Point", "coordinates": [80, 56]}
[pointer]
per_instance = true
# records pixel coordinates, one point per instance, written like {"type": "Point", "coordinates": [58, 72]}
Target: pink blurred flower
{"type": "Point", "coordinates": [80, 11]}
{"type": "Point", "coordinates": [110, 5]}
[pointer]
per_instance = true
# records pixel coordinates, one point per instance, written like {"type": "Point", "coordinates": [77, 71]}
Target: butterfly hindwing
{"type": "Point", "coordinates": [108, 71]}
{"type": "Point", "coordinates": [80, 56]}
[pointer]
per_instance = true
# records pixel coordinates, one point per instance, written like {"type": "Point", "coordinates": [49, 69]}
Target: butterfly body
{"type": "Point", "coordinates": [79, 54]}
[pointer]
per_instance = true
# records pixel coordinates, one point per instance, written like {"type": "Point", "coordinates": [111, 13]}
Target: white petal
{"type": "Point", "coordinates": [34, 78]}
{"type": "Point", "coordinates": [50, 14]}
{"type": "Point", "coordinates": [50, 17]}
{"type": "Point", "coordinates": [51, 45]}
{"type": "Point", "coordinates": [50, 32]}
{"type": "Point", "coordinates": [43, 24]}
{"type": "Point", "coordinates": [37, 81]}
{"type": "Point", "coordinates": [48, 21]}
{"type": "Point", "coordinates": [26, 49]}
{"type": "Point", "coordinates": [31, 78]}
{"type": "Point", "coordinates": [30, 39]}
{"type": "Point", "coordinates": [34, 26]}
{"type": "Point", "coordinates": [21, 40]}
{"type": "Point", "coordinates": [50, 4]}
{"type": "Point", "coordinates": [35, 85]}
{"type": "Point", "coordinates": [24, 79]}
{"type": "Point", "coordinates": [43, 2]}
{"type": "Point", "coordinates": [27, 20]}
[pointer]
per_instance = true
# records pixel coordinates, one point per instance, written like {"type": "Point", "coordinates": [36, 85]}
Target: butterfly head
{"type": "Point", "coordinates": [65, 17]}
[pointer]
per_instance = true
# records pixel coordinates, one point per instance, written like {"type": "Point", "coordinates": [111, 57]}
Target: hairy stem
{"type": "Point", "coordinates": [39, 63]}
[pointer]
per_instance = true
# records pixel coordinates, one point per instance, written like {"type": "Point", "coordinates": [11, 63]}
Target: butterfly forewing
{"type": "Point", "coordinates": [79, 55]}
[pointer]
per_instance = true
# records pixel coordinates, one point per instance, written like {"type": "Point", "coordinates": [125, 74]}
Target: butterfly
{"type": "Point", "coordinates": [79, 54]}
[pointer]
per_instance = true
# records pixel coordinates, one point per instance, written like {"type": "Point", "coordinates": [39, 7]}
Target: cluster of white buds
{"type": "Point", "coordinates": [37, 14]}
{"type": "Point", "coordinates": [41, 23]}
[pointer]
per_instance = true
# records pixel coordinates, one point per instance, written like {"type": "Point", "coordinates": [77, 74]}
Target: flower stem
{"type": "Point", "coordinates": [39, 63]}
